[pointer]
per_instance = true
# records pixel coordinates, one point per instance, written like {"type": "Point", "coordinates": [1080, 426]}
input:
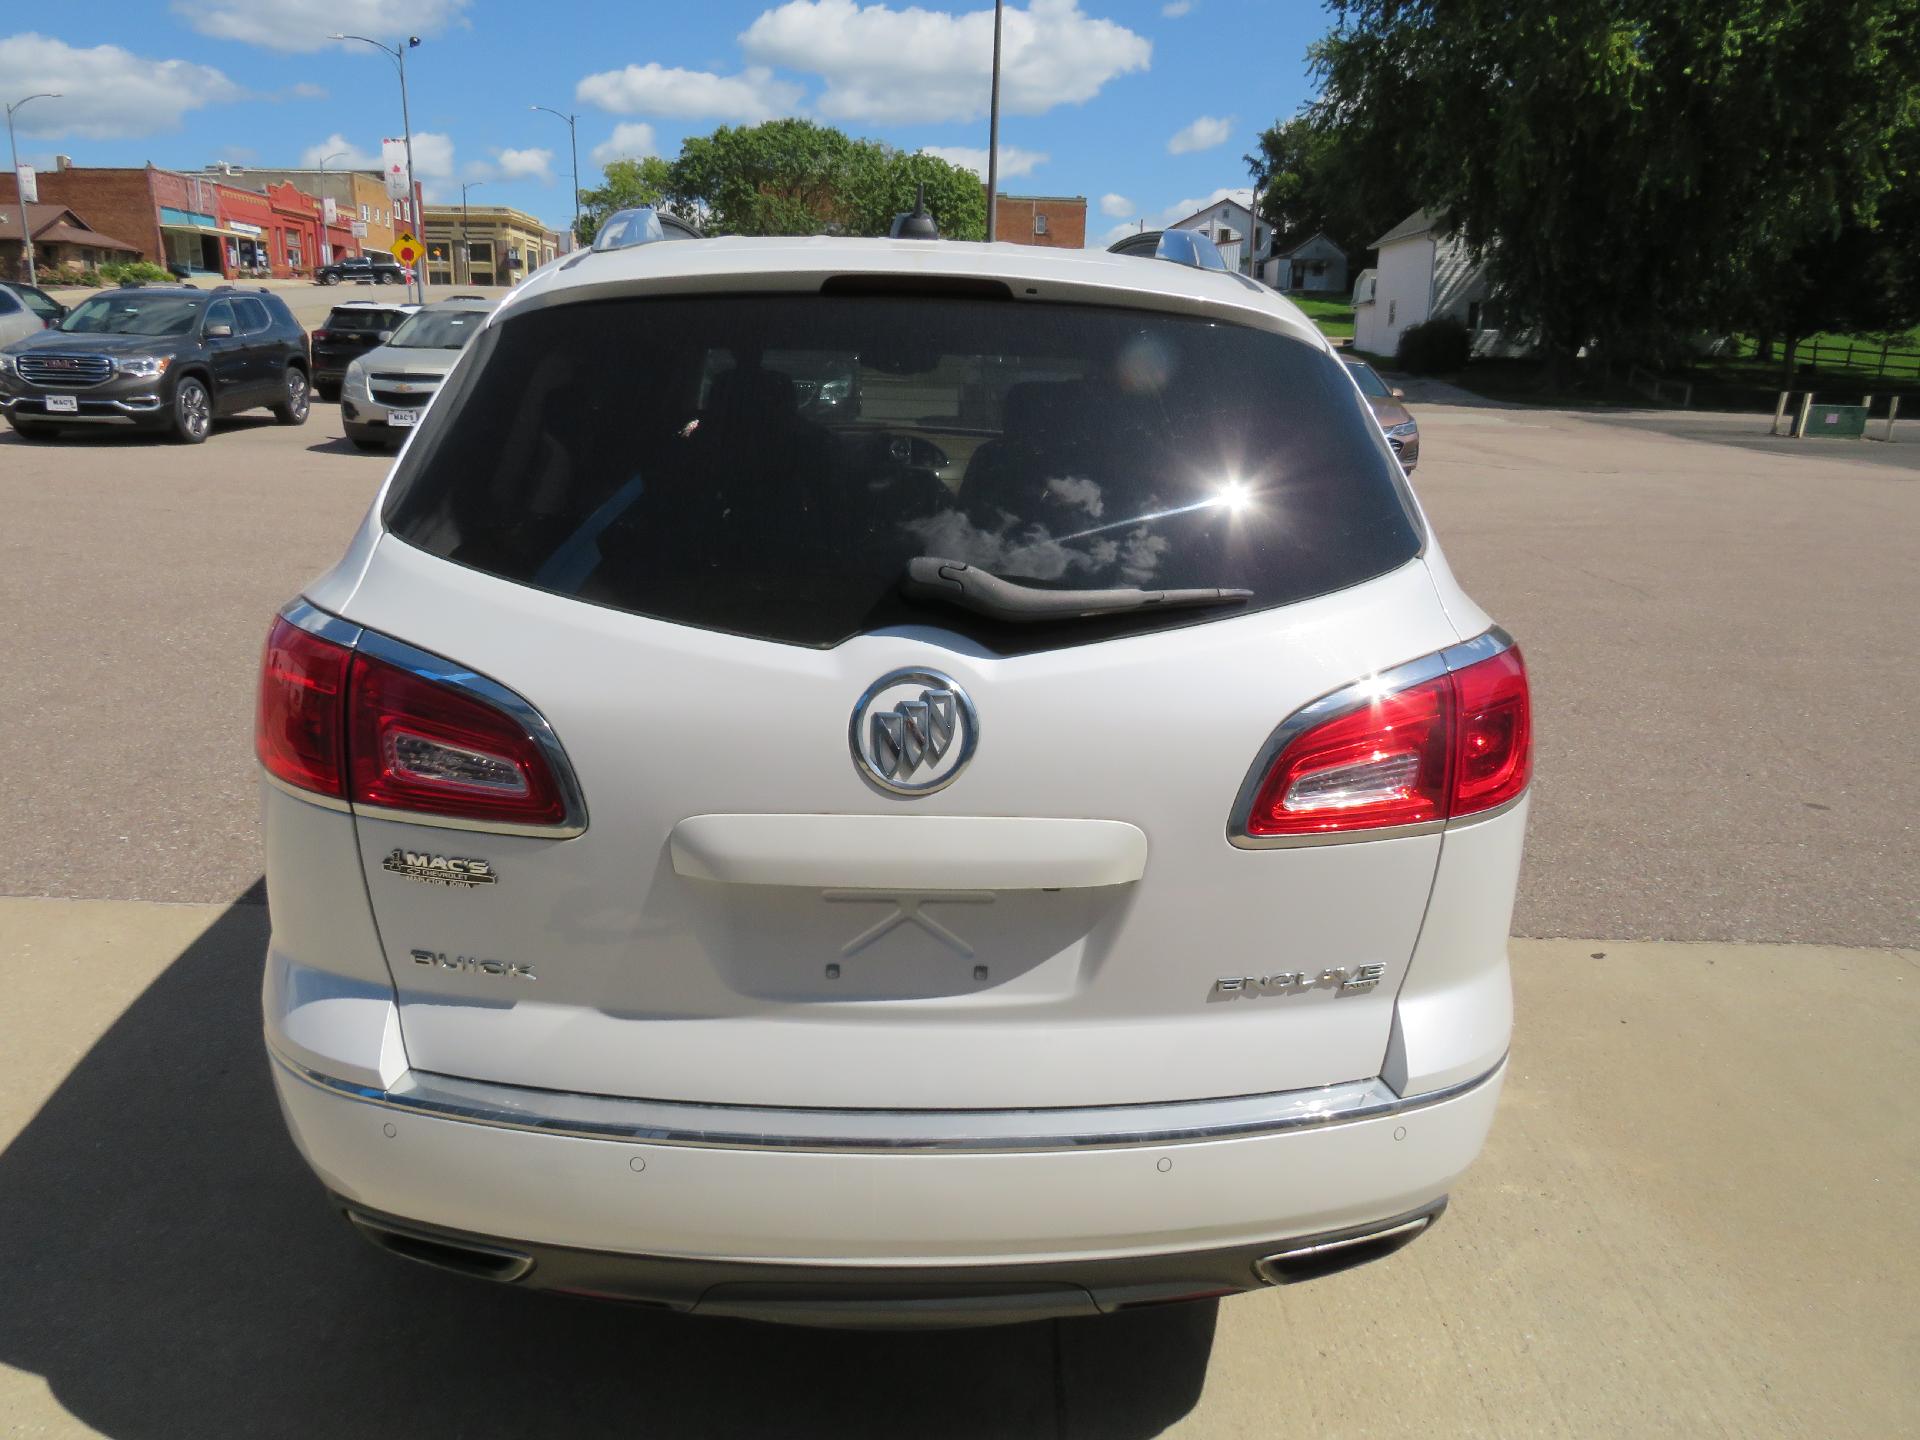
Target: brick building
{"type": "Point", "coordinates": [1057, 220]}
{"type": "Point", "coordinates": [207, 224]}
{"type": "Point", "coordinates": [118, 202]}
{"type": "Point", "coordinates": [360, 203]}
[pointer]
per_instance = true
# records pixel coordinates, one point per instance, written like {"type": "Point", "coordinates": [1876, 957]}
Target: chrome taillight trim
{"type": "Point", "coordinates": [442, 671]}
{"type": "Point", "coordinates": [842, 1131]}
{"type": "Point", "coordinates": [1332, 706]}
{"type": "Point", "coordinates": [311, 797]}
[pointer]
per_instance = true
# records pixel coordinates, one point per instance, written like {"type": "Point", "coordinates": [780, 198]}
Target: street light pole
{"type": "Point", "coordinates": [993, 133]}
{"type": "Point", "coordinates": [398, 54]}
{"type": "Point", "coordinates": [466, 245]}
{"type": "Point", "coordinates": [19, 192]}
{"type": "Point", "coordinates": [573, 145]}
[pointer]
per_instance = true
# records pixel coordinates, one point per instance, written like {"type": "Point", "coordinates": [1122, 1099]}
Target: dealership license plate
{"type": "Point", "coordinates": [405, 419]}
{"type": "Point", "coordinates": [63, 405]}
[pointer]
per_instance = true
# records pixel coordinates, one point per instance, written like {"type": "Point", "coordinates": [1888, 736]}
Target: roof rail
{"type": "Point", "coordinates": [641, 225]}
{"type": "Point", "coordinates": [1182, 247]}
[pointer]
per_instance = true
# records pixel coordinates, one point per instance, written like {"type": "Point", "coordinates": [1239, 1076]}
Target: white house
{"type": "Point", "coordinates": [1316, 264]}
{"type": "Point", "coordinates": [1424, 270]}
{"type": "Point", "coordinates": [1227, 223]}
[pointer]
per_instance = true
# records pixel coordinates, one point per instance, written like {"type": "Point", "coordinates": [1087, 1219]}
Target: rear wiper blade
{"type": "Point", "coordinates": [971, 588]}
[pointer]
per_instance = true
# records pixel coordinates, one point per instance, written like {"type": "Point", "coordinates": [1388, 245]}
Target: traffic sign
{"type": "Point", "coordinates": [406, 249]}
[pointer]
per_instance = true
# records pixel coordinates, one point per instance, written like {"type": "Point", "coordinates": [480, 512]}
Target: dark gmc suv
{"type": "Point", "coordinates": [353, 328]}
{"type": "Point", "coordinates": [159, 357]}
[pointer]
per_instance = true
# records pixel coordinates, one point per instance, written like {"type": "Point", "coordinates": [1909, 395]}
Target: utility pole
{"type": "Point", "coordinates": [398, 54]}
{"type": "Point", "coordinates": [466, 246]}
{"type": "Point", "coordinates": [19, 190]}
{"type": "Point", "coordinates": [573, 146]}
{"type": "Point", "coordinates": [993, 133]}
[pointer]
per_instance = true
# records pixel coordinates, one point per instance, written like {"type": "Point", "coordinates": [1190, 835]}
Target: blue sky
{"type": "Point", "coordinates": [1143, 106]}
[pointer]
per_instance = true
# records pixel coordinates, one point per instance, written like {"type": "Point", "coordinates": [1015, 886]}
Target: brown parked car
{"type": "Point", "coordinates": [1403, 434]}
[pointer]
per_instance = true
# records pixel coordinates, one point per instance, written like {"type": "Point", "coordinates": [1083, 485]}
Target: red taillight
{"type": "Point", "coordinates": [417, 745]}
{"type": "Point", "coordinates": [1494, 751]}
{"type": "Point", "coordinates": [297, 730]}
{"type": "Point", "coordinates": [1435, 750]}
{"type": "Point", "coordinates": [320, 335]}
{"type": "Point", "coordinates": [342, 724]}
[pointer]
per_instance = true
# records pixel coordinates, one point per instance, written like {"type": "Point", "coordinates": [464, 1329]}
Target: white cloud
{"type": "Point", "coordinates": [631, 140]}
{"type": "Point", "coordinates": [106, 92]}
{"type": "Point", "coordinates": [536, 164]}
{"type": "Point", "coordinates": [1014, 161]}
{"type": "Point", "coordinates": [653, 89]}
{"type": "Point", "coordinates": [1116, 205]}
{"type": "Point", "coordinates": [887, 65]}
{"type": "Point", "coordinates": [1203, 134]}
{"type": "Point", "coordinates": [432, 160]}
{"type": "Point", "coordinates": [345, 155]}
{"type": "Point", "coordinates": [432, 155]}
{"type": "Point", "coordinates": [1177, 9]}
{"type": "Point", "coordinates": [306, 24]}
{"type": "Point", "coordinates": [307, 90]}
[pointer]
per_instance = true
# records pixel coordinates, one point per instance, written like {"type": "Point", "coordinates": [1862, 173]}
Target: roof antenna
{"type": "Point", "coordinates": [919, 225]}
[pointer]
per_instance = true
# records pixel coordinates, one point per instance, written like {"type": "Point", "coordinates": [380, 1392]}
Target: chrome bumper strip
{"type": "Point", "coordinates": [747, 1127]}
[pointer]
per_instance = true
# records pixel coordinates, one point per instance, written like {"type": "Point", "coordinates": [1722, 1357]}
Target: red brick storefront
{"type": "Point", "coordinates": [248, 250]}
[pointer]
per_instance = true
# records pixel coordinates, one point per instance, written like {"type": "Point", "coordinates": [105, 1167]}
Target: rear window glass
{"type": "Point", "coordinates": [768, 465]}
{"type": "Point", "coordinates": [369, 320]}
{"type": "Point", "coordinates": [439, 329]}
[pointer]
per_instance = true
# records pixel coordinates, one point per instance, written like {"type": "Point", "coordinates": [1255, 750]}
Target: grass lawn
{"type": "Point", "coordinates": [1332, 313]}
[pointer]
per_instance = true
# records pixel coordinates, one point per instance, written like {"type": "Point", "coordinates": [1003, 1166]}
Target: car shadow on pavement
{"type": "Point", "coordinates": [340, 445]}
{"type": "Point", "coordinates": [171, 1268]}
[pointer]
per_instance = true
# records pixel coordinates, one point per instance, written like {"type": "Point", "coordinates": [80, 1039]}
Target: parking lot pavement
{"type": "Point", "coordinates": [1725, 667]}
{"type": "Point", "coordinates": [1695, 1217]}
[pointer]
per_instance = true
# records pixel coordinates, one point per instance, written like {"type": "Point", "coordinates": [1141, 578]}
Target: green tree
{"type": "Point", "coordinates": [1861, 279]}
{"type": "Point", "coordinates": [1306, 189]}
{"type": "Point", "coordinates": [1633, 170]}
{"type": "Point", "coordinates": [784, 177]}
{"type": "Point", "coordinates": [624, 184]}
{"type": "Point", "coordinates": [882, 182]}
{"type": "Point", "coordinates": [793, 177]}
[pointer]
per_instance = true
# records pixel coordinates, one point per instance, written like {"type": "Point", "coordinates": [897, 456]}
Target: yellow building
{"type": "Point", "coordinates": [502, 245]}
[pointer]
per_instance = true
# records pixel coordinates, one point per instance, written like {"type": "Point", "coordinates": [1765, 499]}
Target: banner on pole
{"type": "Point", "coordinates": [29, 191]}
{"type": "Point", "coordinates": [393, 160]}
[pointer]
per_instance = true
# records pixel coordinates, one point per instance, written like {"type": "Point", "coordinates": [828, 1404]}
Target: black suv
{"type": "Point", "coordinates": [350, 331]}
{"type": "Point", "coordinates": [362, 270]}
{"type": "Point", "coordinates": [159, 357]}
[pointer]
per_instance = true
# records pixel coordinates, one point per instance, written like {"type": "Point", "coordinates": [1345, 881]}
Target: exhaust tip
{"type": "Point", "coordinates": [462, 1257]}
{"type": "Point", "coordinates": [1329, 1254]}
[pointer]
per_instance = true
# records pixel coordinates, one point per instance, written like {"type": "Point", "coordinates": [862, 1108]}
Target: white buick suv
{"type": "Point", "coordinates": [891, 781]}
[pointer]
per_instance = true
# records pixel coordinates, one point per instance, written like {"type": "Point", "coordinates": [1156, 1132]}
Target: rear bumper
{"type": "Point", "coordinates": [894, 1296]}
{"type": "Point", "coordinates": [774, 1228]}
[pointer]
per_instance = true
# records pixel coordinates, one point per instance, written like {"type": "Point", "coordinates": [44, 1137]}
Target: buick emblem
{"type": "Point", "coordinates": [913, 732]}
